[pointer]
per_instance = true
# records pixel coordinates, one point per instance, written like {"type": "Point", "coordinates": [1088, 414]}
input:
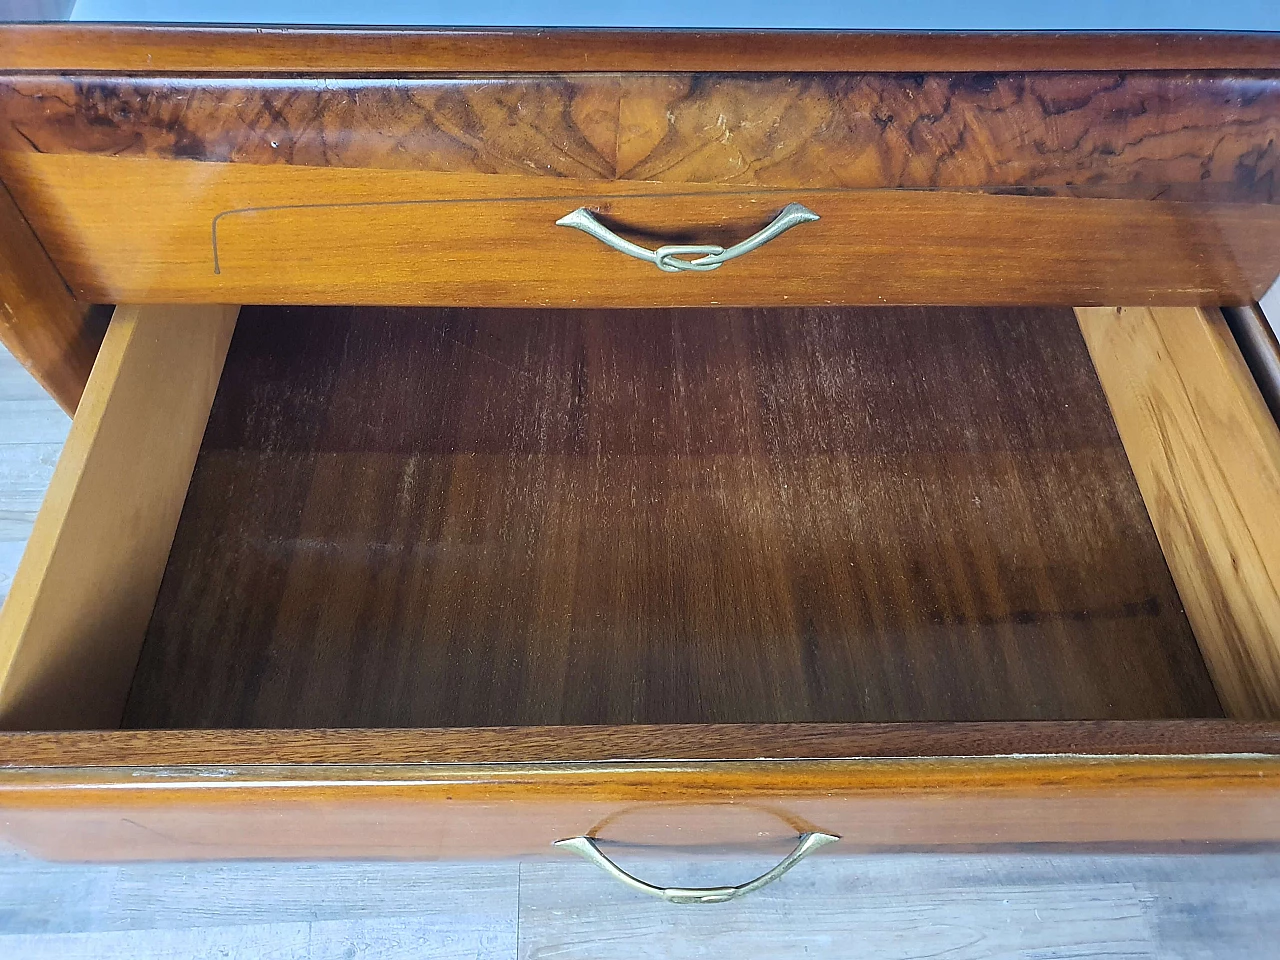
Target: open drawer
{"type": "Point", "coordinates": [443, 552]}
{"type": "Point", "coordinates": [442, 582]}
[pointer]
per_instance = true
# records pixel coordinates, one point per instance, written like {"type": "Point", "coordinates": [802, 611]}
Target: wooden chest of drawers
{"type": "Point", "coordinates": [476, 534]}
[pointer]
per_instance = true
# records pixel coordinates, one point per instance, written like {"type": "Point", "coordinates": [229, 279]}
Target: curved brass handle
{"type": "Point", "coordinates": [668, 260]}
{"type": "Point", "coordinates": [586, 848]}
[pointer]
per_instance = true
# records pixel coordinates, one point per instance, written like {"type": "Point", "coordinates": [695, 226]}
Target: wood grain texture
{"type": "Point", "coordinates": [184, 189]}
{"type": "Point", "coordinates": [72, 624]}
{"type": "Point", "coordinates": [491, 810]}
{"type": "Point", "coordinates": [1206, 454]}
{"type": "Point", "coordinates": [1172, 136]}
{"type": "Point", "coordinates": [632, 742]}
{"type": "Point", "coordinates": [40, 322]}
{"type": "Point", "coordinates": [440, 518]}
{"type": "Point", "coordinates": [290, 50]}
{"type": "Point", "coordinates": [135, 229]}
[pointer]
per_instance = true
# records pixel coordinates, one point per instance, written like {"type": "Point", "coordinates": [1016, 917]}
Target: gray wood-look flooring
{"type": "Point", "coordinates": [885, 907]}
{"type": "Point", "coordinates": [32, 431]}
{"type": "Point", "coordinates": [1037, 906]}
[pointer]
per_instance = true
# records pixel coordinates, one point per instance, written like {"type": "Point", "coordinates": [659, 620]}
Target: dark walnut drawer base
{"type": "Point", "coordinates": [426, 518]}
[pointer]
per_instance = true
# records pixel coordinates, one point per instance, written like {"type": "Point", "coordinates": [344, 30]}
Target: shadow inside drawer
{"type": "Point", "coordinates": [464, 517]}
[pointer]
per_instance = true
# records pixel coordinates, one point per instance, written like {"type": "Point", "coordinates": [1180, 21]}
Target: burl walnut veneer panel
{"type": "Point", "coordinates": [1139, 135]}
{"type": "Point", "coordinates": [479, 517]}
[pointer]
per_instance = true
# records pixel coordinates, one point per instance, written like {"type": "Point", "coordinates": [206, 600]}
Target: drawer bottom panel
{"type": "Point", "coordinates": [433, 518]}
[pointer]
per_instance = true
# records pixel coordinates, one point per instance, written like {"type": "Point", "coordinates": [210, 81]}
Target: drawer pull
{"type": "Point", "coordinates": [586, 848]}
{"type": "Point", "coordinates": [668, 258]}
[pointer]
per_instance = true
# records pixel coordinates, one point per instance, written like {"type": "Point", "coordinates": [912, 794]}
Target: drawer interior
{"type": "Point", "coordinates": [465, 517]}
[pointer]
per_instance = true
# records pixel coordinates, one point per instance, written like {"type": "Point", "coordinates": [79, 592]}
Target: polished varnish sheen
{"type": "Point", "coordinates": [141, 48]}
{"type": "Point", "coordinates": [471, 517]}
{"type": "Point", "coordinates": [1139, 135]}
{"type": "Point", "coordinates": [1017, 187]}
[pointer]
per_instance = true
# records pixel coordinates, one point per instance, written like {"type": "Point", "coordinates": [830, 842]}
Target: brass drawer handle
{"type": "Point", "coordinates": [586, 848]}
{"type": "Point", "coordinates": [668, 258]}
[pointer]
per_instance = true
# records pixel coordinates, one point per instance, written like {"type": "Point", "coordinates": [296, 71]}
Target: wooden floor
{"type": "Point", "coordinates": [32, 431]}
{"type": "Point", "coordinates": [1190, 906]}
{"type": "Point", "coordinates": [888, 907]}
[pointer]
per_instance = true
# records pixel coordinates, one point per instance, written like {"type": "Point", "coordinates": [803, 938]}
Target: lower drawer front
{"type": "Point", "coordinates": [349, 794]}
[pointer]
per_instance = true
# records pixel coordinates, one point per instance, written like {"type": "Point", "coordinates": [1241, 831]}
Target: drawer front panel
{"type": "Point", "coordinates": [425, 812]}
{"type": "Point", "coordinates": [1032, 188]}
{"type": "Point", "coordinates": [156, 231]}
{"type": "Point", "coordinates": [512, 792]}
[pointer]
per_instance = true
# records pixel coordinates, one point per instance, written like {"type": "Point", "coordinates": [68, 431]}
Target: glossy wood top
{"type": "Point", "coordinates": [292, 50]}
{"type": "Point", "coordinates": [439, 518]}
